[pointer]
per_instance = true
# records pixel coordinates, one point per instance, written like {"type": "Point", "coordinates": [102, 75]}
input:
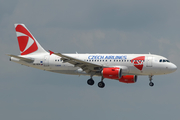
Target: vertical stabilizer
{"type": "Point", "coordinates": [27, 43]}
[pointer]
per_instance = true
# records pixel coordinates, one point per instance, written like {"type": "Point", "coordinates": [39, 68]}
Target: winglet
{"type": "Point", "coordinates": [51, 52]}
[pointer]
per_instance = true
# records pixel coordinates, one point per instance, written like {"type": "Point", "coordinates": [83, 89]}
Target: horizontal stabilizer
{"type": "Point", "coordinates": [22, 58]}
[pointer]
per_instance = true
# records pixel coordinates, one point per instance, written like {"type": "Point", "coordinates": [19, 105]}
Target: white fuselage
{"type": "Point", "coordinates": [131, 64]}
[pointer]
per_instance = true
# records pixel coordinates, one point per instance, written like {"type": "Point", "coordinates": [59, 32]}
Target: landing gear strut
{"type": "Point", "coordinates": [101, 84]}
{"type": "Point", "coordinates": [150, 79]}
{"type": "Point", "coordinates": [91, 81]}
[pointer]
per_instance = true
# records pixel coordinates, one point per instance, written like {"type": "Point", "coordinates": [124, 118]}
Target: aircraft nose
{"type": "Point", "coordinates": [173, 67]}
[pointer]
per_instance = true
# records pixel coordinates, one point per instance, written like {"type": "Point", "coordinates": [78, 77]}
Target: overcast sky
{"type": "Point", "coordinates": [89, 26]}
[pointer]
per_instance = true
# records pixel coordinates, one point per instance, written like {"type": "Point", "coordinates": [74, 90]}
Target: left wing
{"type": "Point", "coordinates": [86, 66]}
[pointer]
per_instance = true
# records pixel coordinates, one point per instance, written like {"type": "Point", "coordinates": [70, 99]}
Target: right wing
{"type": "Point", "coordinates": [86, 66]}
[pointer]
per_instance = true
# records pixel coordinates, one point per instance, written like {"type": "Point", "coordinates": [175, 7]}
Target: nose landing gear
{"type": "Point", "coordinates": [151, 84]}
{"type": "Point", "coordinates": [150, 79]}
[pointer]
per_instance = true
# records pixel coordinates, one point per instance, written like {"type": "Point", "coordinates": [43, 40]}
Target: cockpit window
{"type": "Point", "coordinates": [163, 60]}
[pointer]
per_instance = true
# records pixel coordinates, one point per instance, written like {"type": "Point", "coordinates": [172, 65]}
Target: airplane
{"type": "Point", "coordinates": [121, 67]}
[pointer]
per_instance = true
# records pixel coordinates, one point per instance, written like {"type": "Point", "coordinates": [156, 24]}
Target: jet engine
{"type": "Point", "coordinates": [128, 79]}
{"type": "Point", "coordinates": [112, 73]}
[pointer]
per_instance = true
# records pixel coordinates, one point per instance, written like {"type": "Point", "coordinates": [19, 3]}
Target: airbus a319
{"type": "Point", "coordinates": [121, 67]}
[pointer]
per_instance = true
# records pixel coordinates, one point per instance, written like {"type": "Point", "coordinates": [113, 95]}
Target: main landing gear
{"type": "Point", "coordinates": [90, 81]}
{"type": "Point", "coordinates": [101, 84]}
{"type": "Point", "coordinates": [150, 79]}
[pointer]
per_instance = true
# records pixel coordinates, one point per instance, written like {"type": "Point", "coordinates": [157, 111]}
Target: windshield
{"type": "Point", "coordinates": [164, 60]}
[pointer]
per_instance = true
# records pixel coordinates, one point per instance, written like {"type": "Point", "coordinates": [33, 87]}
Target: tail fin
{"type": "Point", "coordinates": [27, 43]}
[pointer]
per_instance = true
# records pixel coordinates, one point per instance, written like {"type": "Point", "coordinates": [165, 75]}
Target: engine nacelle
{"type": "Point", "coordinates": [128, 79]}
{"type": "Point", "coordinates": [112, 73]}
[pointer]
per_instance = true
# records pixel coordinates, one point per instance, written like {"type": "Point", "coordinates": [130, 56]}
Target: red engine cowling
{"type": "Point", "coordinates": [128, 79]}
{"type": "Point", "coordinates": [112, 73]}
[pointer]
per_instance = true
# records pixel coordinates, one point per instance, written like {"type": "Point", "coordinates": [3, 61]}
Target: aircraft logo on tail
{"type": "Point", "coordinates": [27, 43]}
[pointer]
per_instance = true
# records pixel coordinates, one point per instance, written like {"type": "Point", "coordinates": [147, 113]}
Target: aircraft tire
{"type": "Point", "coordinates": [151, 84]}
{"type": "Point", "coordinates": [101, 84]}
{"type": "Point", "coordinates": [90, 82]}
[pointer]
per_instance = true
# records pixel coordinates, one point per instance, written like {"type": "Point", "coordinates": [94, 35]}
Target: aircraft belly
{"type": "Point", "coordinates": [70, 72]}
{"type": "Point", "coordinates": [145, 71]}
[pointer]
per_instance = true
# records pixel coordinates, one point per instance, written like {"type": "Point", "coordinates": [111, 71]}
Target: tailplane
{"type": "Point", "coordinates": [27, 43]}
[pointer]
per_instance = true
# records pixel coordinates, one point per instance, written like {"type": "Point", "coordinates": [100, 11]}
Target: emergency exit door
{"type": "Point", "coordinates": [149, 61]}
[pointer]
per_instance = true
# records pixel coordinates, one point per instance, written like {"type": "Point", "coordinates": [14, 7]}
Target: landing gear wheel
{"type": "Point", "coordinates": [90, 82]}
{"type": "Point", "coordinates": [150, 79]}
{"type": "Point", "coordinates": [151, 84]}
{"type": "Point", "coordinates": [101, 84]}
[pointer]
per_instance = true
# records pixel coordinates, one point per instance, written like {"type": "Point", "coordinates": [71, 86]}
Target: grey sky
{"type": "Point", "coordinates": [89, 26]}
